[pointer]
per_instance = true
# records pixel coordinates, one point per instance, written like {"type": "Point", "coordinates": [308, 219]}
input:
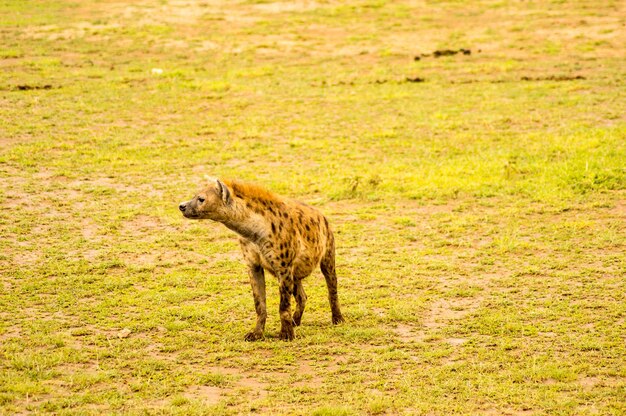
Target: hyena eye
{"type": "Point", "coordinates": [200, 199]}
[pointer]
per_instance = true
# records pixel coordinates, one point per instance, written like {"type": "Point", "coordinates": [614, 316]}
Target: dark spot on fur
{"type": "Point", "coordinates": [273, 228]}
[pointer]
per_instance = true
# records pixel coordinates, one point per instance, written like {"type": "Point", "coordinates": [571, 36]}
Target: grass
{"type": "Point", "coordinates": [479, 214]}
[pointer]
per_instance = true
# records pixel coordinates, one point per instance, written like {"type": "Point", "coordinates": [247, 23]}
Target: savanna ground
{"type": "Point", "coordinates": [478, 201]}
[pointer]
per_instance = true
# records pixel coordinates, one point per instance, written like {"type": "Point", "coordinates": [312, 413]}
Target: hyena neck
{"type": "Point", "coordinates": [245, 223]}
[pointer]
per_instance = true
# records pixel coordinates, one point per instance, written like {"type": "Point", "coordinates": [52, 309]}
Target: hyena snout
{"type": "Point", "coordinates": [188, 210]}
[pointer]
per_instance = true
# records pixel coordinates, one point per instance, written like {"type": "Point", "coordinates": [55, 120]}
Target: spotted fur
{"type": "Point", "coordinates": [286, 238]}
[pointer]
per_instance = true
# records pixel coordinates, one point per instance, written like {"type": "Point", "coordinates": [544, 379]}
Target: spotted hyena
{"type": "Point", "coordinates": [284, 237]}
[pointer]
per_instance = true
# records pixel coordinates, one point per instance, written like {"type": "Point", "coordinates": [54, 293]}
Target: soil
{"type": "Point", "coordinates": [443, 52]}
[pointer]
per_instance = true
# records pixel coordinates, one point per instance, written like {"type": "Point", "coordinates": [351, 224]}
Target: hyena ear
{"type": "Point", "coordinates": [224, 192]}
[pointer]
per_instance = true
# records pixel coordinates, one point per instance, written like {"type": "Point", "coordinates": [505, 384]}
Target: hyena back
{"type": "Point", "coordinates": [286, 238]}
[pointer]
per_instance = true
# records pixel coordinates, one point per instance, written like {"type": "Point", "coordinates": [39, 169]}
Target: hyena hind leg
{"type": "Point", "coordinates": [300, 296]}
{"type": "Point", "coordinates": [327, 265]}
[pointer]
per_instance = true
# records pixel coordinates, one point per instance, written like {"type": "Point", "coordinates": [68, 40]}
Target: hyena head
{"type": "Point", "coordinates": [212, 203]}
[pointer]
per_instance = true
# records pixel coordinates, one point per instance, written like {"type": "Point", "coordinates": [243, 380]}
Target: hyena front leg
{"type": "Point", "coordinates": [286, 283]}
{"type": "Point", "coordinates": [257, 281]}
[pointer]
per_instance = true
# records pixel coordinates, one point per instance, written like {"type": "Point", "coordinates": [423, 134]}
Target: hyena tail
{"type": "Point", "coordinates": [328, 270]}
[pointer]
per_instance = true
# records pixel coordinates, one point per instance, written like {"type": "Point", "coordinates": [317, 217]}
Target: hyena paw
{"type": "Point", "coordinates": [337, 319]}
{"type": "Point", "coordinates": [287, 333]}
{"type": "Point", "coordinates": [253, 336]}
